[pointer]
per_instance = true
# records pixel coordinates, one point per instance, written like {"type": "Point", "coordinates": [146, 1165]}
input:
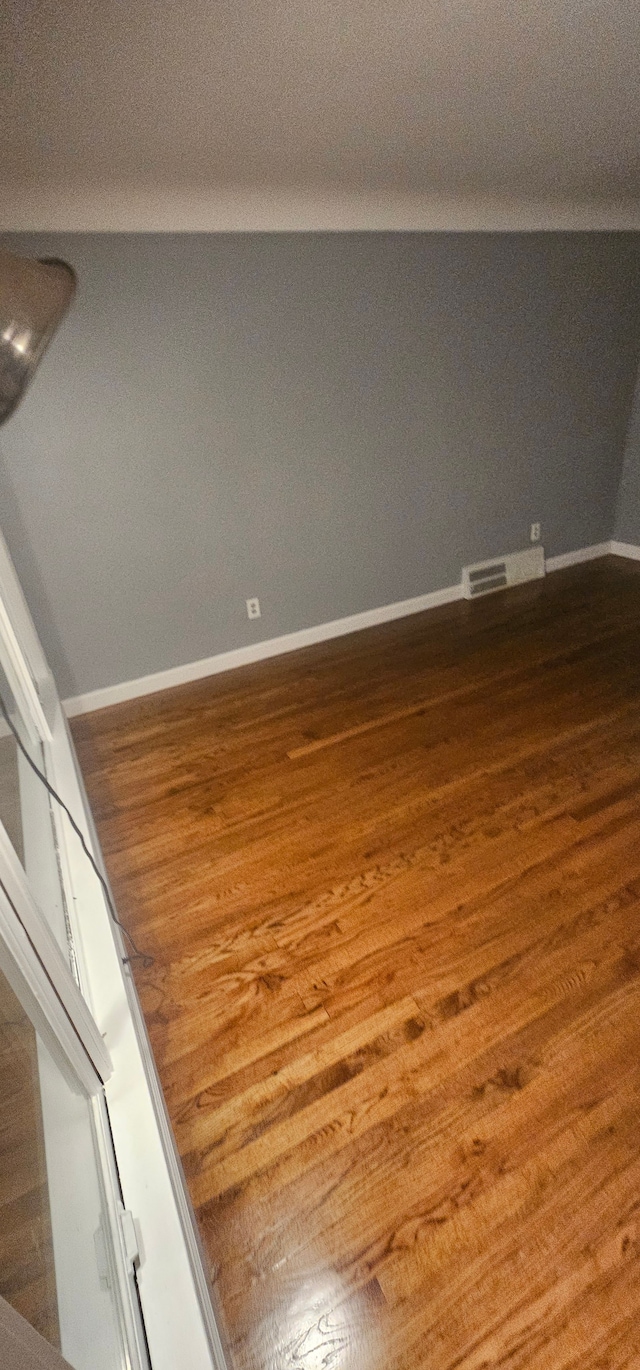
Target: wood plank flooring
{"type": "Point", "coordinates": [27, 1273]}
{"type": "Point", "coordinates": [392, 889]}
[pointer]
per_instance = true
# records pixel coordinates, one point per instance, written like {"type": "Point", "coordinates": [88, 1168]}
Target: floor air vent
{"type": "Point", "coordinates": [487, 576]}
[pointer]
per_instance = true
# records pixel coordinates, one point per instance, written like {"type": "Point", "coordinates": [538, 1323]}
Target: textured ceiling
{"type": "Point", "coordinates": [403, 102]}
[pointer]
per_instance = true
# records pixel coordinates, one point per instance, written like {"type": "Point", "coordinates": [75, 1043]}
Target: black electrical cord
{"type": "Point", "coordinates": [136, 954]}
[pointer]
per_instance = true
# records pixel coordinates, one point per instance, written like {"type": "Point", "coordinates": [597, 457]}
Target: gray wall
{"type": "Point", "coordinates": [328, 421]}
{"type": "Point", "coordinates": [627, 527]}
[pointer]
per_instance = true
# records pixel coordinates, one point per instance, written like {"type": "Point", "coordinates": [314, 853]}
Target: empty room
{"type": "Point", "coordinates": [319, 687]}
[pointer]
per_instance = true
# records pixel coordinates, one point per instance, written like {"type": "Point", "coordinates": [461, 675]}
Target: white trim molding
{"type": "Point", "coordinates": [57, 990]}
{"type": "Point", "coordinates": [592, 553]}
{"type": "Point", "coordinates": [257, 651]}
{"type": "Point", "coordinates": [625, 549]}
{"type": "Point", "coordinates": [145, 207]}
{"type": "Point", "coordinates": [98, 1031]}
{"type": "Point", "coordinates": [307, 637]}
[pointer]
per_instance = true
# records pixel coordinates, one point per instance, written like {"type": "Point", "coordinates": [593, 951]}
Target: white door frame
{"type": "Point", "coordinates": [175, 1294]}
{"type": "Point", "coordinates": [35, 991]}
{"type": "Point", "coordinates": [28, 664]}
{"type": "Point", "coordinates": [44, 980]}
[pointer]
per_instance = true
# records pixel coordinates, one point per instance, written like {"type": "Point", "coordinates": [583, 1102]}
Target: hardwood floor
{"type": "Point", "coordinates": [27, 1273]}
{"type": "Point", "coordinates": [10, 815]}
{"type": "Point", "coordinates": [392, 888]}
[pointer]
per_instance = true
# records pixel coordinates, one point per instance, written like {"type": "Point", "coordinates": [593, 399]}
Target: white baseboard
{"type": "Point", "coordinates": [307, 637]}
{"type": "Point", "coordinates": [257, 651]}
{"type": "Point", "coordinates": [625, 549]}
{"type": "Point", "coordinates": [597, 549]}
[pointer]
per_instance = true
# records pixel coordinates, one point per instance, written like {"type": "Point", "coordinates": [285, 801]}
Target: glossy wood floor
{"type": "Point", "coordinates": [392, 889]}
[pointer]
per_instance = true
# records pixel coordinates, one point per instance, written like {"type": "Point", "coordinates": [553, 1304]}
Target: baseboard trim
{"type": "Point", "coordinates": [257, 651]}
{"type": "Point", "coordinates": [625, 549]}
{"type": "Point", "coordinates": [592, 553]}
{"type": "Point", "coordinates": [307, 637]}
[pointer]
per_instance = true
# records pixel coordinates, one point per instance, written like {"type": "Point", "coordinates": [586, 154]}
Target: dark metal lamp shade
{"type": "Point", "coordinates": [34, 297]}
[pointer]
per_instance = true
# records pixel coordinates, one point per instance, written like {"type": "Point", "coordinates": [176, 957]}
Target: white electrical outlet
{"type": "Point", "coordinates": [535, 532]}
{"type": "Point", "coordinates": [253, 608]}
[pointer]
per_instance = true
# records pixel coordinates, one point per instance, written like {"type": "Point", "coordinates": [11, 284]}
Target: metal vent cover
{"type": "Point", "coordinates": [485, 577]}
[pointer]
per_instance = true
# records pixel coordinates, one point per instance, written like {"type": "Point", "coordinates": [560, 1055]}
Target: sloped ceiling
{"type": "Point", "coordinates": [320, 113]}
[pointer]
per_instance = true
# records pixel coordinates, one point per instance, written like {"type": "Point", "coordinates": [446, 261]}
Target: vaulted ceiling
{"type": "Point", "coordinates": [260, 113]}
